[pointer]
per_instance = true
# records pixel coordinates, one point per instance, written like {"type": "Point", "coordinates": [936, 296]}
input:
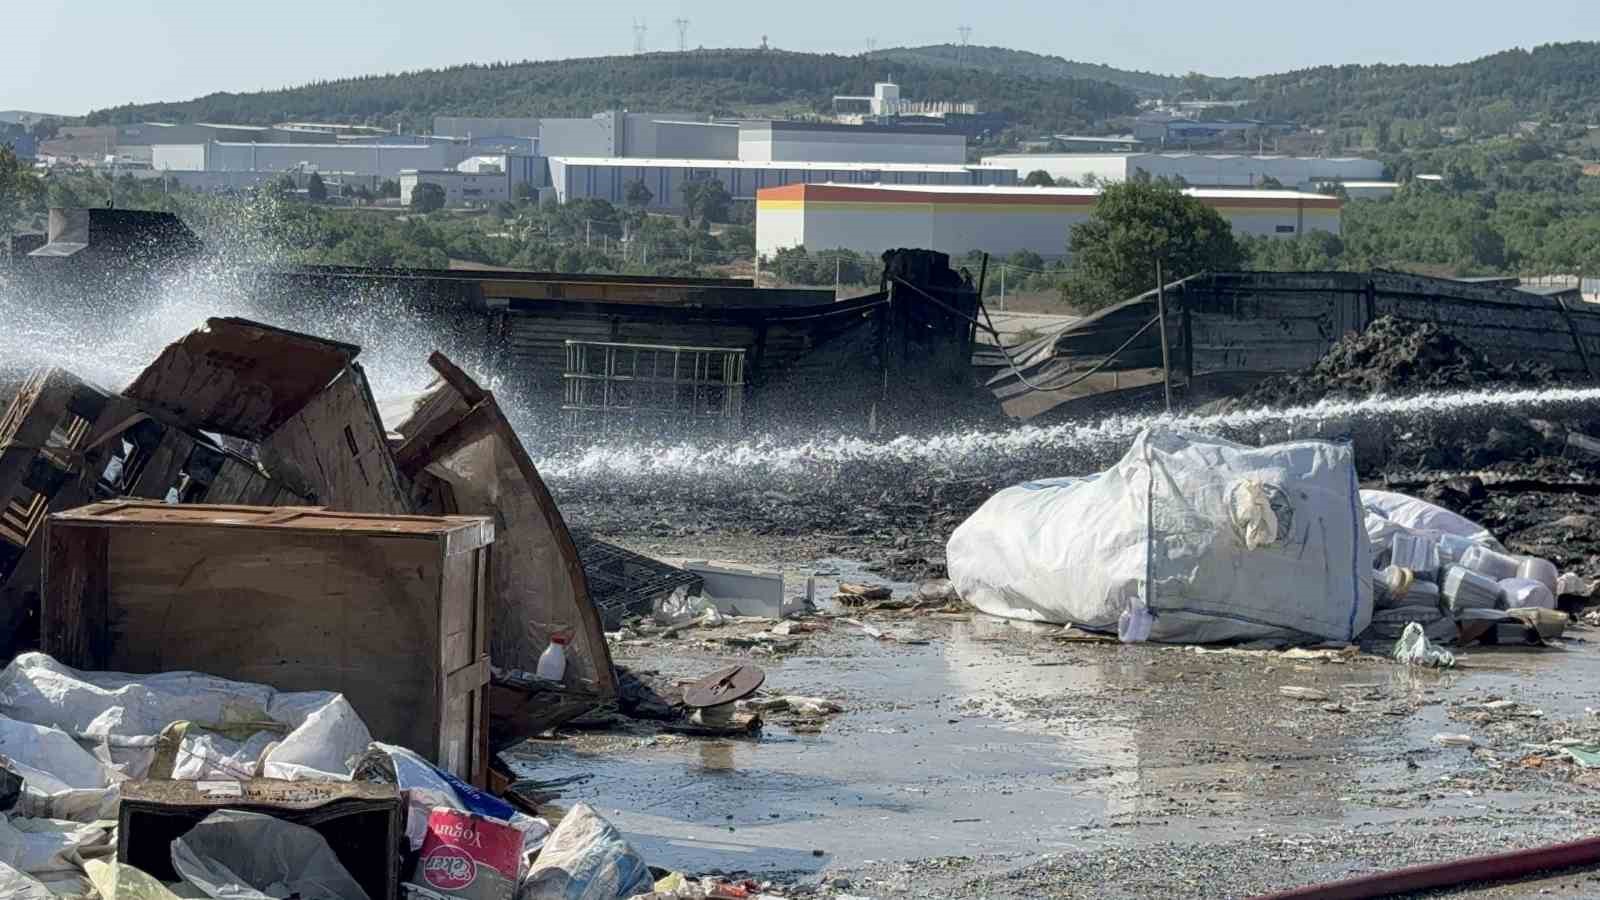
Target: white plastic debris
{"type": "Point", "coordinates": [1416, 552]}
{"type": "Point", "coordinates": [1520, 593]}
{"type": "Point", "coordinates": [1414, 649]}
{"type": "Point", "coordinates": [237, 729]}
{"type": "Point", "coordinates": [1302, 693]}
{"type": "Point", "coordinates": [1488, 562]}
{"type": "Point", "coordinates": [1541, 570]}
{"type": "Point", "coordinates": [1572, 583]}
{"type": "Point", "coordinates": [1453, 740]}
{"type": "Point", "coordinates": [1465, 589]}
{"type": "Point", "coordinates": [679, 608]}
{"type": "Point", "coordinates": [586, 858]}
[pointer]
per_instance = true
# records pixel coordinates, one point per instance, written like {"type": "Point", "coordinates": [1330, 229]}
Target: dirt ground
{"type": "Point", "coordinates": [977, 757]}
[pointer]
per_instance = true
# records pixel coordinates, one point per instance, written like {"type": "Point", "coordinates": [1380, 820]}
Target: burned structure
{"type": "Point", "coordinates": [1227, 331]}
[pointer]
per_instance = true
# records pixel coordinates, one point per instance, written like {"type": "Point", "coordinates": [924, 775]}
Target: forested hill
{"type": "Point", "coordinates": [723, 82]}
{"type": "Point", "coordinates": [1554, 82]}
{"type": "Point", "coordinates": [1003, 61]}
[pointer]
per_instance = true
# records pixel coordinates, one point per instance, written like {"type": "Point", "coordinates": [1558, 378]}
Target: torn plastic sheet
{"type": "Point", "coordinates": [16, 885]}
{"type": "Point", "coordinates": [237, 855]}
{"type": "Point", "coordinates": [120, 881]}
{"type": "Point", "coordinates": [237, 729]}
{"type": "Point", "coordinates": [52, 850]}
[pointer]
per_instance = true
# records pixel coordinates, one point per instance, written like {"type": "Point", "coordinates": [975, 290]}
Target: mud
{"type": "Point", "coordinates": [999, 759]}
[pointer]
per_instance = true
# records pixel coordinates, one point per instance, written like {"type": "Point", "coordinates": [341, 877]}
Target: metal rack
{"type": "Point", "coordinates": [623, 583]}
{"type": "Point", "coordinates": [610, 384]}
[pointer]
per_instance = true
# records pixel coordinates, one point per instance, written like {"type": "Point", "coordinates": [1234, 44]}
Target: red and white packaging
{"type": "Point", "coordinates": [467, 856]}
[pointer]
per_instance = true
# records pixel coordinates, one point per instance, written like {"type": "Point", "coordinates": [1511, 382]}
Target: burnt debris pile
{"type": "Point", "coordinates": [1393, 358]}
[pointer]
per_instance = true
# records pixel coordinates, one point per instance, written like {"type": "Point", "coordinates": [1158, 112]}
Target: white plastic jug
{"type": "Point", "coordinates": [553, 661]}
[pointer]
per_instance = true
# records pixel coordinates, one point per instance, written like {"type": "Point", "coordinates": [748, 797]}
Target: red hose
{"type": "Point", "coordinates": [1494, 867]}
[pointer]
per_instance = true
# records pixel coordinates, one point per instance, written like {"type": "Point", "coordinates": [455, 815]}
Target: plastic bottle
{"type": "Point", "coordinates": [553, 661]}
{"type": "Point", "coordinates": [1541, 570]}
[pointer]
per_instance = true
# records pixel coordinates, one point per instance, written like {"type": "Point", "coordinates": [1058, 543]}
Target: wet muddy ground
{"type": "Point", "coordinates": [977, 757]}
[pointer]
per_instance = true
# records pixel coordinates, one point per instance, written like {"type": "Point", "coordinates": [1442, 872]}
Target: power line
{"type": "Point", "coordinates": [683, 34]}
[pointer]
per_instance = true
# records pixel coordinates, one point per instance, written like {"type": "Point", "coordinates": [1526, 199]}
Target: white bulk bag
{"type": "Point", "coordinates": [1217, 541]}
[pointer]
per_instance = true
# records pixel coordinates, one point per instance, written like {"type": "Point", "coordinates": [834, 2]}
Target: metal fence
{"type": "Point", "coordinates": [1587, 285]}
{"type": "Point", "coordinates": [615, 385]}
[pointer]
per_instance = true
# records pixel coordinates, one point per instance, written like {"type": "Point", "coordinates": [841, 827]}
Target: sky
{"type": "Point", "coordinates": [68, 58]}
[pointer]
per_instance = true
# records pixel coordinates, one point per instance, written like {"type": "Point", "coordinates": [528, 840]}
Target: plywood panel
{"type": "Point", "coordinates": [299, 612]}
{"type": "Point", "coordinates": [336, 451]}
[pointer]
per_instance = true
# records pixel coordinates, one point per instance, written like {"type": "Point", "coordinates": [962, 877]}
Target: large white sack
{"type": "Point", "coordinates": [1216, 540]}
{"type": "Point", "coordinates": [241, 728]}
{"type": "Point", "coordinates": [1388, 511]}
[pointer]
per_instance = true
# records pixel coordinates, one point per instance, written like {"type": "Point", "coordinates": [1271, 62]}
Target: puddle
{"type": "Point", "coordinates": [996, 738]}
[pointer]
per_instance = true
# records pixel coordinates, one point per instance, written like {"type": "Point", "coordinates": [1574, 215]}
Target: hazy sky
{"type": "Point", "coordinates": [69, 57]}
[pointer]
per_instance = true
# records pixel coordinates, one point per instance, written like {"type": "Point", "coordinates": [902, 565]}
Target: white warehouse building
{"type": "Point", "coordinates": [870, 219]}
{"type": "Point", "coordinates": [1196, 169]}
{"type": "Point", "coordinates": [607, 178]}
{"type": "Point", "coordinates": [770, 140]}
{"type": "Point", "coordinates": [383, 160]}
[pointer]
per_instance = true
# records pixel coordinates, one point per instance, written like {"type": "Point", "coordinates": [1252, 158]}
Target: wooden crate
{"type": "Point", "coordinates": [388, 610]}
{"type": "Point", "coordinates": [363, 823]}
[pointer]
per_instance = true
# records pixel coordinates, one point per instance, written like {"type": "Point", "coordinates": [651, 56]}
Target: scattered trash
{"type": "Point", "coordinates": [744, 591]}
{"type": "Point", "coordinates": [1587, 757]}
{"type": "Point", "coordinates": [861, 594]}
{"type": "Point", "coordinates": [468, 856]}
{"type": "Point", "coordinates": [1525, 593]}
{"type": "Point", "coordinates": [1302, 693]}
{"type": "Point", "coordinates": [586, 858]}
{"type": "Point", "coordinates": [1414, 649]}
{"type": "Point", "coordinates": [1453, 740]}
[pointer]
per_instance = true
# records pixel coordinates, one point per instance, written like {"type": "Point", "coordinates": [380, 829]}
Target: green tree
{"type": "Point", "coordinates": [21, 193]}
{"type": "Point", "coordinates": [284, 185]}
{"type": "Point", "coordinates": [427, 197]}
{"type": "Point", "coordinates": [316, 189]}
{"type": "Point", "coordinates": [389, 188]}
{"type": "Point", "coordinates": [524, 191]}
{"type": "Point", "coordinates": [1039, 178]}
{"type": "Point", "coordinates": [1135, 224]}
{"type": "Point", "coordinates": [636, 195]}
{"type": "Point", "coordinates": [705, 200]}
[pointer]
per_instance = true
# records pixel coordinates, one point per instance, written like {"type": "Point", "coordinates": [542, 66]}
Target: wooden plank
{"type": "Point", "coordinates": [335, 451]}
{"type": "Point", "coordinates": [74, 612]}
{"type": "Point", "coordinates": [536, 584]}
{"type": "Point", "coordinates": [325, 612]}
{"type": "Point", "coordinates": [239, 377]}
{"type": "Point", "coordinates": [301, 520]}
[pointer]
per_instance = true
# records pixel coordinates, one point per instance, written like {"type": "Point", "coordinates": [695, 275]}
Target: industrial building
{"type": "Point", "coordinates": [780, 141]}
{"type": "Point", "coordinates": [380, 159]}
{"type": "Point", "coordinates": [1196, 169]}
{"type": "Point", "coordinates": [460, 188]}
{"type": "Point", "coordinates": [1002, 220]}
{"type": "Point", "coordinates": [605, 178]}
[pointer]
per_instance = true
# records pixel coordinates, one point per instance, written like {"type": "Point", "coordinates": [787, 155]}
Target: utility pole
{"type": "Point", "coordinates": [683, 34]}
{"type": "Point", "coordinates": [639, 29]}
{"type": "Point", "coordinates": [1002, 287]}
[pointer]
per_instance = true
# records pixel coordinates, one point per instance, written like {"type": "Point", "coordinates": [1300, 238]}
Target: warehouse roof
{"type": "Point", "coordinates": [647, 162]}
{"type": "Point", "coordinates": [1179, 155]}
{"type": "Point", "coordinates": [912, 193]}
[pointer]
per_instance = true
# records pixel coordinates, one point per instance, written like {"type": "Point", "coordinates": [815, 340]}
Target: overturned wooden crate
{"type": "Point", "coordinates": [388, 610]}
{"type": "Point", "coordinates": [65, 443]}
